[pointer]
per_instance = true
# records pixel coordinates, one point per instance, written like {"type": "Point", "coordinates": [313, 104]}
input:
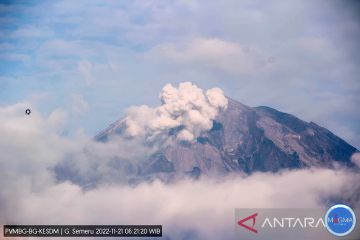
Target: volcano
{"type": "Point", "coordinates": [244, 139]}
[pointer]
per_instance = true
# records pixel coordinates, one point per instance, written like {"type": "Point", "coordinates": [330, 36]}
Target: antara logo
{"type": "Point", "coordinates": [242, 223]}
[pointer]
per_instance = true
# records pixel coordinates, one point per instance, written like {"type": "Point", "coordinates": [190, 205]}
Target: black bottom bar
{"type": "Point", "coordinates": [82, 231]}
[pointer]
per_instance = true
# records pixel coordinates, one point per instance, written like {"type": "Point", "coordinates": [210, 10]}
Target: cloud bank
{"type": "Point", "coordinates": [187, 210]}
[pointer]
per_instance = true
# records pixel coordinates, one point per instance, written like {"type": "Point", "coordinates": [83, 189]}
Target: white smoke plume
{"type": "Point", "coordinates": [186, 107]}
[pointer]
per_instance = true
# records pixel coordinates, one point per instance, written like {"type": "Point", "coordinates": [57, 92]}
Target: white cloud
{"type": "Point", "coordinates": [57, 119]}
{"type": "Point", "coordinates": [205, 206]}
{"type": "Point", "coordinates": [213, 53]}
{"type": "Point", "coordinates": [15, 57]}
{"type": "Point", "coordinates": [307, 55]}
{"type": "Point", "coordinates": [79, 105]}
{"type": "Point", "coordinates": [85, 68]}
{"type": "Point", "coordinates": [65, 48]}
{"type": "Point", "coordinates": [31, 32]}
{"type": "Point", "coordinates": [29, 145]}
{"type": "Point", "coordinates": [355, 158]}
{"type": "Point", "coordinates": [314, 44]}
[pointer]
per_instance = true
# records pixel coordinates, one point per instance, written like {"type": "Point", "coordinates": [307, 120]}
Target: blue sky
{"type": "Point", "coordinates": [93, 59]}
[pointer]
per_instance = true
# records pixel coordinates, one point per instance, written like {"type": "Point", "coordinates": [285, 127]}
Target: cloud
{"type": "Point", "coordinates": [64, 48]}
{"type": "Point", "coordinates": [30, 31]}
{"type": "Point", "coordinates": [95, 163]}
{"type": "Point", "coordinates": [213, 53]}
{"type": "Point", "coordinates": [15, 57]}
{"type": "Point", "coordinates": [249, 49]}
{"type": "Point", "coordinates": [29, 145]}
{"type": "Point", "coordinates": [79, 105]}
{"type": "Point", "coordinates": [57, 119]}
{"type": "Point", "coordinates": [184, 114]}
{"type": "Point", "coordinates": [314, 44]}
{"type": "Point", "coordinates": [85, 68]}
{"type": "Point", "coordinates": [204, 208]}
{"type": "Point", "coordinates": [355, 158]}
{"type": "Point", "coordinates": [185, 107]}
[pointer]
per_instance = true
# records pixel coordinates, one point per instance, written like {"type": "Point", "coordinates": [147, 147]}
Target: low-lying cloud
{"type": "Point", "coordinates": [355, 158]}
{"type": "Point", "coordinates": [201, 209]}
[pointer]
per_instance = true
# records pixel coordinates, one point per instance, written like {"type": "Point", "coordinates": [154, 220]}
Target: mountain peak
{"type": "Point", "coordinates": [245, 139]}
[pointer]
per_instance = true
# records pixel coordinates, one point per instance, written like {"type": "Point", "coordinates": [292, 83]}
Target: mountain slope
{"type": "Point", "coordinates": [245, 139]}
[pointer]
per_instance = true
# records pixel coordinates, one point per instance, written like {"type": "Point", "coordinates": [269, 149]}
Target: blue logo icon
{"type": "Point", "coordinates": [340, 220]}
